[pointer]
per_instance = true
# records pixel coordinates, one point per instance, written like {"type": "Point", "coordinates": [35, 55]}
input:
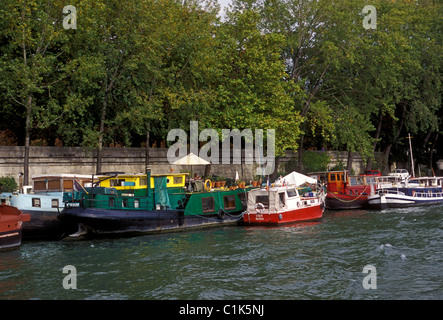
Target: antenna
{"type": "Point", "coordinates": [412, 158]}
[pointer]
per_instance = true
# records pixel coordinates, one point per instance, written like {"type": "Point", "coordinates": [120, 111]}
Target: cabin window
{"type": "Point", "coordinates": [291, 193]}
{"type": "Point", "coordinates": [208, 204]}
{"type": "Point", "coordinates": [143, 182]}
{"type": "Point", "coordinates": [281, 197]}
{"type": "Point", "coordinates": [111, 202]}
{"type": "Point", "coordinates": [39, 185]}
{"type": "Point", "coordinates": [124, 202]}
{"type": "Point", "coordinates": [36, 202]}
{"type": "Point", "coordinates": [229, 202]}
{"type": "Point", "coordinates": [136, 203]}
{"type": "Point", "coordinates": [332, 176]}
{"type": "Point", "coordinates": [178, 180]}
{"type": "Point", "coordinates": [54, 203]}
{"type": "Point", "coordinates": [117, 182]}
{"type": "Point", "coordinates": [54, 184]}
{"type": "Point", "coordinates": [264, 200]}
{"type": "Point", "coordinates": [68, 185]}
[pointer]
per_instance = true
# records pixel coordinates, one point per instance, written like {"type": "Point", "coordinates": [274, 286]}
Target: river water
{"type": "Point", "coordinates": [403, 249]}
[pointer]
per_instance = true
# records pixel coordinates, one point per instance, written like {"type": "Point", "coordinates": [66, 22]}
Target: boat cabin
{"type": "Point", "coordinates": [335, 180]}
{"type": "Point", "coordinates": [274, 200]}
{"type": "Point", "coordinates": [59, 182]}
{"type": "Point", "coordinates": [139, 181]}
{"type": "Point", "coordinates": [426, 182]}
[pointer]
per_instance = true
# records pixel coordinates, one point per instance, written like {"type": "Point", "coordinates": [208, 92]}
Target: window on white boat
{"type": "Point", "coordinates": [264, 200]}
{"type": "Point", "coordinates": [39, 185]}
{"type": "Point", "coordinates": [229, 202]}
{"type": "Point", "coordinates": [281, 198]}
{"type": "Point", "coordinates": [36, 202]}
{"type": "Point", "coordinates": [68, 185]}
{"type": "Point", "coordinates": [291, 193]}
{"type": "Point", "coordinates": [208, 204]}
{"type": "Point", "coordinates": [54, 203]}
{"type": "Point", "coordinates": [54, 184]}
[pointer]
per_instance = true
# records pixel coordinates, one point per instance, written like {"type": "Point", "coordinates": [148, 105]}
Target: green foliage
{"type": "Point", "coordinates": [8, 184]}
{"type": "Point", "coordinates": [307, 69]}
{"type": "Point", "coordinates": [315, 161]}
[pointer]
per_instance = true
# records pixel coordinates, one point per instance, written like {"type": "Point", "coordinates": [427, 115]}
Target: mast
{"type": "Point", "coordinates": [412, 158]}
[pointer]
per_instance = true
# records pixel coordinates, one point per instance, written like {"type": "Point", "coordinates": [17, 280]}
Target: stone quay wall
{"type": "Point", "coordinates": [56, 160]}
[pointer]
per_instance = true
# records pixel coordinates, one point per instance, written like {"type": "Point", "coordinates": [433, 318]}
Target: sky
{"type": "Point", "coordinates": [223, 5]}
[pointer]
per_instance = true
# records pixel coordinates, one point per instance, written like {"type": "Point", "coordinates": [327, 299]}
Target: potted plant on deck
{"type": "Point", "coordinates": [240, 183]}
{"type": "Point", "coordinates": [256, 182]}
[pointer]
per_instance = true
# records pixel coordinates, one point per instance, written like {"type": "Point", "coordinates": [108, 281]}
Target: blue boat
{"type": "Point", "coordinates": [44, 202]}
{"type": "Point", "coordinates": [414, 192]}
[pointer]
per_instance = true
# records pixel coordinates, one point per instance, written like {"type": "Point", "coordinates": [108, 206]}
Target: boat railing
{"type": "Point", "coordinates": [390, 191]}
{"type": "Point", "coordinates": [114, 203]}
{"type": "Point", "coordinates": [417, 194]}
{"type": "Point", "coordinates": [427, 194]}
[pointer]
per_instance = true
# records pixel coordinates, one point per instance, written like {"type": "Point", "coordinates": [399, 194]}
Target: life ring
{"type": "Point", "coordinates": [221, 214]}
{"type": "Point", "coordinates": [259, 207]}
{"type": "Point", "coordinates": [208, 187]}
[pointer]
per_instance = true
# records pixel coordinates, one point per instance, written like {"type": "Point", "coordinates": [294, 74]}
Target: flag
{"type": "Point", "coordinates": [78, 186]}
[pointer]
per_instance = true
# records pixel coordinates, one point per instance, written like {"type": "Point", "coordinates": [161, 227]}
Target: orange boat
{"type": "Point", "coordinates": [11, 220]}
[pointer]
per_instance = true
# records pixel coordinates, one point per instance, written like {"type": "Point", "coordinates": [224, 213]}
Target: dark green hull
{"type": "Point", "coordinates": [201, 209]}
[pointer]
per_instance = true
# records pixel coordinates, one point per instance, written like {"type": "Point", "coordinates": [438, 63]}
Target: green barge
{"type": "Point", "coordinates": [128, 205]}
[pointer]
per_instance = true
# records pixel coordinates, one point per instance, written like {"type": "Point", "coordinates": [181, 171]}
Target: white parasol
{"type": "Point", "coordinates": [190, 160]}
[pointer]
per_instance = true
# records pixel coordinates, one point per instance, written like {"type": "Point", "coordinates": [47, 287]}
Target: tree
{"type": "Point", "coordinates": [29, 62]}
{"type": "Point", "coordinates": [249, 85]}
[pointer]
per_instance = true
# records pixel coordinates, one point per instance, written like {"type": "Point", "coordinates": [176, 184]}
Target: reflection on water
{"type": "Point", "coordinates": [316, 260]}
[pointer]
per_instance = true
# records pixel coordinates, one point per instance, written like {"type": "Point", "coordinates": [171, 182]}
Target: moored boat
{"type": "Point", "coordinates": [414, 192]}
{"type": "Point", "coordinates": [105, 211]}
{"type": "Point", "coordinates": [43, 201]}
{"type": "Point", "coordinates": [281, 205]}
{"type": "Point", "coordinates": [293, 198]}
{"type": "Point", "coordinates": [11, 221]}
{"type": "Point", "coordinates": [344, 191]}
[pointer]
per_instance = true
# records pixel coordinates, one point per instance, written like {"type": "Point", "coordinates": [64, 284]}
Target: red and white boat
{"type": "Point", "coordinates": [283, 204]}
{"type": "Point", "coordinates": [11, 221]}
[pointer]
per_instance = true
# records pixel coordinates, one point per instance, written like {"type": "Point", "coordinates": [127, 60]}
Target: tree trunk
{"type": "Point", "coordinates": [349, 163]}
{"type": "Point", "coordinates": [100, 137]}
{"type": "Point", "coordinates": [386, 158]}
{"type": "Point", "coordinates": [27, 141]}
{"type": "Point", "coordinates": [300, 155]}
{"type": "Point", "coordinates": [377, 136]}
{"type": "Point", "coordinates": [397, 135]}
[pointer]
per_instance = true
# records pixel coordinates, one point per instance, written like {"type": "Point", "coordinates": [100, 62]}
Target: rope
{"type": "Point", "coordinates": [215, 219]}
{"type": "Point", "coordinates": [346, 200]}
